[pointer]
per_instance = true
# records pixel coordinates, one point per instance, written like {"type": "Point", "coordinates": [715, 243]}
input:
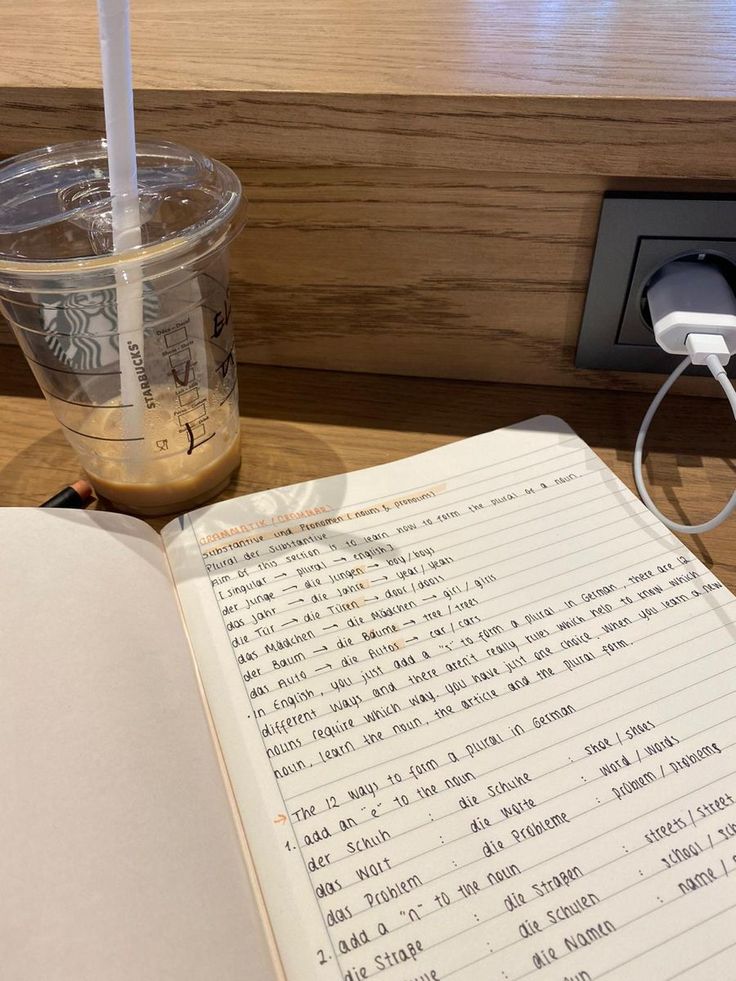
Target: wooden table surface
{"type": "Point", "coordinates": [299, 424]}
{"type": "Point", "coordinates": [631, 48]}
{"type": "Point", "coordinates": [629, 88]}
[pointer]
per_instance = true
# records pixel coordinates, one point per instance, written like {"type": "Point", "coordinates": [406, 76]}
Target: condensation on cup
{"type": "Point", "coordinates": [149, 402]}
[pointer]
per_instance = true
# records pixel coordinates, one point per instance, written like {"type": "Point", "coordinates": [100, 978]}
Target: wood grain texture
{"type": "Point", "coordinates": [298, 425]}
{"type": "Point", "coordinates": [424, 177]}
{"type": "Point", "coordinates": [625, 137]}
{"type": "Point", "coordinates": [637, 48]}
{"type": "Point", "coordinates": [421, 272]}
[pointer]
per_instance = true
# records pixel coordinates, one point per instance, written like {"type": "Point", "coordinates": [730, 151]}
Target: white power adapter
{"type": "Point", "coordinates": [693, 311]}
{"type": "Point", "coordinates": [689, 297]}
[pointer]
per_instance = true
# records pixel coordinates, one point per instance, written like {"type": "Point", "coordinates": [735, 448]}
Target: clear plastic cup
{"type": "Point", "coordinates": [150, 401]}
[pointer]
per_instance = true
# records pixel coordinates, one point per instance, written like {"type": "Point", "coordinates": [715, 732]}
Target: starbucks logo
{"type": "Point", "coordinates": [81, 328]}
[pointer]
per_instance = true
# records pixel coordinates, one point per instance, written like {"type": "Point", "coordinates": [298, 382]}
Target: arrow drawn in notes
{"type": "Point", "coordinates": [281, 575]}
{"type": "Point", "coordinates": [320, 650]}
{"type": "Point", "coordinates": [341, 558]}
{"type": "Point", "coordinates": [331, 626]}
{"type": "Point", "coordinates": [374, 565]}
{"type": "Point", "coordinates": [408, 623]}
{"type": "Point", "coordinates": [411, 640]}
{"type": "Point", "coordinates": [380, 579]}
{"type": "Point", "coordinates": [280, 819]}
{"type": "Point", "coordinates": [325, 667]}
{"type": "Point", "coordinates": [293, 602]}
{"type": "Point", "coordinates": [289, 622]}
{"type": "Point", "coordinates": [287, 589]}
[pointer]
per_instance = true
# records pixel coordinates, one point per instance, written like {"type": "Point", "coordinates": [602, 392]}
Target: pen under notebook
{"type": "Point", "coordinates": [76, 495]}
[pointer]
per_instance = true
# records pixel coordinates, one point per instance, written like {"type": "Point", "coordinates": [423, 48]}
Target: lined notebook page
{"type": "Point", "coordinates": [478, 710]}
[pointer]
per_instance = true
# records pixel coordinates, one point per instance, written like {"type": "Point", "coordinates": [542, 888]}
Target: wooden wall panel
{"type": "Point", "coordinates": [612, 137]}
{"type": "Point", "coordinates": [425, 176]}
{"type": "Point", "coordinates": [420, 272]}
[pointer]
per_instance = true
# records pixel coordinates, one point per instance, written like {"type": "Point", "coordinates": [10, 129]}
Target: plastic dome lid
{"type": "Point", "coordinates": [56, 209]}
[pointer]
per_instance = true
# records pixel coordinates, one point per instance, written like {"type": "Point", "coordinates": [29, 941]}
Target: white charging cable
{"type": "Point", "coordinates": [693, 313]}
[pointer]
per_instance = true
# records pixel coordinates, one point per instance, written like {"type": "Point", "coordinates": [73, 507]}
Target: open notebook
{"type": "Point", "coordinates": [476, 712]}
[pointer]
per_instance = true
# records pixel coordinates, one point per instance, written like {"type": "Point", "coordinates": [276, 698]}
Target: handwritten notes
{"type": "Point", "coordinates": [477, 709]}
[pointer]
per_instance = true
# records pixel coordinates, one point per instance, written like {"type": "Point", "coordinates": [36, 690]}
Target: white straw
{"type": "Point", "coordinates": [117, 83]}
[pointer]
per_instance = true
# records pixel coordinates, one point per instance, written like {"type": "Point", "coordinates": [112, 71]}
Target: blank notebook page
{"type": "Point", "coordinates": [119, 859]}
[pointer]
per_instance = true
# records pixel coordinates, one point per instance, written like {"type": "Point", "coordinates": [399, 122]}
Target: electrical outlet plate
{"type": "Point", "coordinates": [637, 235]}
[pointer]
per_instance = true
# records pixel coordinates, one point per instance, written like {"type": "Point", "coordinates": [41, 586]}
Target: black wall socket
{"type": "Point", "coordinates": [637, 235]}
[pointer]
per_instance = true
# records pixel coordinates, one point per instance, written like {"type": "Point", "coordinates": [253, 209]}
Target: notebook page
{"type": "Point", "coordinates": [477, 709]}
{"type": "Point", "coordinates": [119, 858]}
